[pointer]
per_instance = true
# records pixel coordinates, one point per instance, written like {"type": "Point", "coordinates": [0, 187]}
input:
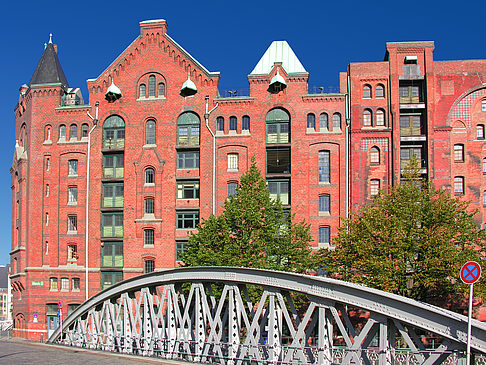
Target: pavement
{"type": "Point", "coordinates": [19, 351]}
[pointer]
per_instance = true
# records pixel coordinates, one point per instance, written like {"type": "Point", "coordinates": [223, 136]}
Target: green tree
{"type": "Point", "coordinates": [411, 241]}
{"type": "Point", "coordinates": [253, 231]}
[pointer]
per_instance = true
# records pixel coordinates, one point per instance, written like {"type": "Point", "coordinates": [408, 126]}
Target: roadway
{"type": "Point", "coordinates": [16, 351]}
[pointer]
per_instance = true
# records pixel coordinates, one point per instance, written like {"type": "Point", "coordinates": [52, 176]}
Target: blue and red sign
{"type": "Point", "coordinates": [470, 272]}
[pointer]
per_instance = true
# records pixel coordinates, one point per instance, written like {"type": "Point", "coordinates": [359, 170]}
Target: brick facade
{"type": "Point", "coordinates": [385, 112]}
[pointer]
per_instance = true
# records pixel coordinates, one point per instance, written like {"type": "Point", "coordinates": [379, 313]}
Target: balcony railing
{"type": "Point", "coordinates": [233, 93]}
{"type": "Point", "coordinates": [323, 90]}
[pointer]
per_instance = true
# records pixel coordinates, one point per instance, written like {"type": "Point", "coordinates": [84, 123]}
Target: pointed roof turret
{"type": "Point", "coordinates": [49, 70]}
{"type": "Point", "coordinates": [279, 51]}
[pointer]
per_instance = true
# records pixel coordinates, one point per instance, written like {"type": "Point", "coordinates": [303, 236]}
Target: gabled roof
{"type": "Point", "coordinates": [279, 51]}
{"type": "Point", "coordinates": [48, 70]}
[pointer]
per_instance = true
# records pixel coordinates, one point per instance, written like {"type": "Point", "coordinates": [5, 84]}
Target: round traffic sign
{"type": "Point", "coordinates": [470, 272]}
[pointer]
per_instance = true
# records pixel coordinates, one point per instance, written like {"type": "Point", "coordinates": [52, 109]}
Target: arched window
{"type": "Point", "coordinates": [367, 91]}
{"type": "Point", "coordinates": [233, 123]}
{"type": "Point", "coordinates": [62, 131]}
{"type": "Point", "coordinates": [148, 237]}
{"type": "Point", "coordinates": [142, 91]}
{"type": "Point", "coordinates": [278, 126]}
{"type": "Point", "coordinates": [73, 131]}
{"type": "Point", "coordinates": [458, 153]}
{"type": "Point", "coordinates": [149, 176]}
{"type": "Point", "coordinates": [149, 265]}
{"type": "Point", "coordinates": [324, 236]}
{"type": "Point", "coordinates": [220, 124]}
{"type": "Point", "coordinates": [161, 89]}
{"type": "Point", "coordinates": [245, 123]}
{"type": "Point", "coordinates": [484, 197]}
{"type": "Point", "coordinates": [84, 130]}
{"type": "Point", "coordinates": [483, 105]}
{"type": "Point", "coordinates": [324, 166]}
{"type": "Point", "coordinates": [380, 91]}
{"type": "Point", "coordinates": [311, 121]}
{"type": "Point", "coordinates": [459, 185]}
{"type": "Point", "coordinates": [324, 204]}
{"type": "Point", "coordinates": [484, 165]}
{"type": "Point", "coordinates": [336, 121]}
{"type": "Point", "coordinates": [367, 118]}
{"type": "Point", "coordinates": [374, 187]}
{"type": "Point", "coordinates": [188, 126]}
{"type": "Point", "coordinates": [232, 162]}
{"type": "Point", "coordinates": [324, 121]}
{"type": "Point", "coordinates": [380, 117]}
{"type": "Point", "coordinates": [114, 132]}
{"type": "Point", "coordinates": [480, 131]}
{"type": "Point", "coordinates": [374, 156]}
{"type": "Point", "coordinates": [47, 136]}
{"type": "Point", "coordinates": [231, 188]}
{"type": "Point", "coordinates": [150, 132]}
{"type": "Point", "coordinates": [149, 206]}
{"type": "Point", "coordinates": [151, 90]}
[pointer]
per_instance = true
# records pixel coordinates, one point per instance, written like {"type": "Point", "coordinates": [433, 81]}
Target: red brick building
{"type": "Point", "coordinates": [156, 122]}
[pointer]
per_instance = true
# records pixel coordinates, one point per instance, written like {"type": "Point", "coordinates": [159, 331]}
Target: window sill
{"type": "Point", "coordinates": [324, 214]}
{"type": "Point", "coordinates": [53, 290]}
{"type": "Point", "coordinates": [147, 146]}
{"type": "Point", "coordinates": [324, 183]}
{"type": "Point", "coordinates": [72, 232]}
{"type": "Point", "coordinates": [48, 142]}
{"type": "Point", "coordinates": [323, 245]}
{"type": "Point", "coordinates": [151, 98]}
{"type": "Point", "coordinates": [64, 290]}
{"type": "Point", "coordinates": [148, 246]}
{"type": "Point", "coordinates": [75, 290]}
{"type": "Point", "coordinates": [458, 161]}
{"type": "Point", "coordinates": [72, 203]}
{"type": "Point", "coordinates": [72, 175]}
{"type": "Point", "coordinates": [232, 170]}
{"type": "Point", "coordinates": [147, 185]}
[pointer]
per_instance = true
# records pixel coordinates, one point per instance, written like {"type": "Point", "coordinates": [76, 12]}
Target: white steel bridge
{"type": "Point", "coordinates": [232, 316]}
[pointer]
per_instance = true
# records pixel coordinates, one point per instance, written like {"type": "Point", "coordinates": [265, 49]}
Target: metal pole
{"type": "Point", "coordinates": [86, 248]}
{"type": "Point", "coordinates": [206, 118]}
{"type": "Point", "coordinates": [469, 317]}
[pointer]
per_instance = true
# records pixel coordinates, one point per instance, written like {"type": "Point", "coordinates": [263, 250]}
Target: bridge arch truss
{"type": "Point", "coordinates": [242, 316]}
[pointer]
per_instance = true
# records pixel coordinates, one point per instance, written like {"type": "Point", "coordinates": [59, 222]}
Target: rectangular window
{"type": "Point", "coordinates": [410, 125]}
{"type": "Point", "coordinates": [188, 135]}
{"type": "Point", "coordinates": [324, 166]}
{"type": "Point", "coordinates": [112, 254]}
{"type": "Point", "coordinates": [459, 185]}
{"type": "Point", "coordinates": [480, 131]}
{"type": "Point", "coordinates": [112, 224]}
{"type": "Point", "coordinates": [149, 206]}
{"type": "Point", "coordinates": [113, 166]}
{"type": "Point", "coordinates": [374, 187]}
{"type": "Point", "coordinates": [72, 253]}
{"type": "Point", "coordinates": [231, 188]}
{"type": "Point", "coordinates": [73, 167]}
{"type": "Point", "coordinates": [278, 161]}
{"type": "Point", "coordinates": [187, 219]}
{"type": "Point", "coordinates": [112, 195]}
{"type": "Point", "coordinates": [72, 195]}
{"type": "Point", "coordinates": [109, 278]}
{"type": "Point", "coordinates": [149, 266]}
{"type": "Point", "coordinates": [53, 284]}
{"type": "Point", "coordinates": [324, 204]}
{"type": "Point", "coordinates": [324, 235]}
{"type": "Point", "coordinates": [232, 162]}
{"type": "Point", "coordinates": [458, 153]}
{"type": "Point", "coordinates": [188, 190]}
{"type": "Point", "coordinates": [278, 132]}
{"type": "Point", "coordinates": [409, 94]}
{"type": "Point", "coordinates": [187, 160]}
{"type": "Point", "coordinates": [149, 237]}
{"type": "Point", "coordinates": [181, 246]}
{"type": "Point", "coordinates": [75, 284]}
{"type": "Point", "coordinates": [279, 189]}
{"type": "Point", "coordinates": [72, 224]}
{"type": "Point", "coordinates": [64, 284]}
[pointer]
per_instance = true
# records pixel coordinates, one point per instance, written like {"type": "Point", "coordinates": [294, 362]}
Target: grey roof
{"type": "Point", "coordinates": [4, 277]}
{"type": "Point", "coordinates": [48, 70]}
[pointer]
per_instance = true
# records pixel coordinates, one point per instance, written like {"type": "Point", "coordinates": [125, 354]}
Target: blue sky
{"type": "Point", "coordinates": [225, 36]}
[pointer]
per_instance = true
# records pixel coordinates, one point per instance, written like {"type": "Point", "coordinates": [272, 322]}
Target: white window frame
{"type": "Point", "coordinates": [232, 160]}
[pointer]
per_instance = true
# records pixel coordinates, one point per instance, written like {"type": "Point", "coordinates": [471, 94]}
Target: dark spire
{"type": "Point", "coordinates": [48, 70]}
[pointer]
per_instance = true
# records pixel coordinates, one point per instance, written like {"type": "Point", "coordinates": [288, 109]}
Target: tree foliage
{"type": "Point", "coordinates": [253, 231]}
{"type": "Point", "coordinates": [411, 241]}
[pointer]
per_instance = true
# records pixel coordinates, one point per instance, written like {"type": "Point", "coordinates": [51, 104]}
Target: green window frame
{"type": "Point", "coordinates": [110, 278]}
{"type": "Point", "coordinates": [187, 219]}
{"type": "Point", "coordinates": [188, 129]}
{"type": "Point", "coordinates": [113, 166]}
{"type": "Point", "coordinates": [188, 160]}
{"type": "Point", "coordinates": [112, 195]}
{"type": "Point", "coordinates": [181, 247]}
{"type": "Point", "coordinates": [278, 126]}
{"type": "Point", "coordinates": [279, 189]}
{"type": "Point", "coordinates": [112, 254]}
{"type": "Point", "coordinates": [112, 224]}
{"type": "Point", "coordinates": [188, 190]}
{"type": "Point", "coordinates": [114, 133]}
